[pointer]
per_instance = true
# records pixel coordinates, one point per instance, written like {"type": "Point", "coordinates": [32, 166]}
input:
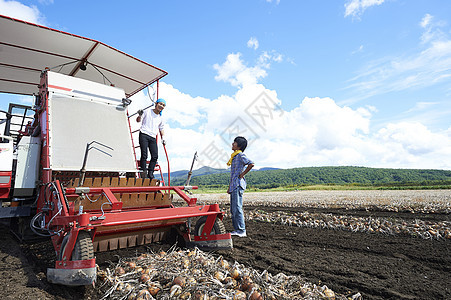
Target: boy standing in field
{"type": "Point", "coordinates": [237, 162]}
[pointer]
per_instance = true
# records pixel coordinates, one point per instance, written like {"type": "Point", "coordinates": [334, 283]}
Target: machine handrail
{"type": "Point", "coordinates": [6, 137]}
{"type": "Point", "coordinates": [180, 190]}
{"type": "Point", "coordinates": [169, 169]}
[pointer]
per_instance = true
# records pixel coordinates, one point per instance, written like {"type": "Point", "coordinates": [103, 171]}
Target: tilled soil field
{"type": "Point", "coordinates": [381, 244]}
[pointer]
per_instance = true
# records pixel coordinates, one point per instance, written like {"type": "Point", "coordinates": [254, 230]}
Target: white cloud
{"type": "Point", "coordinates": [421, 106]}
{"type": "Point", "coordinates": [414, 138]}
{"type": "Point", "coordinates": [318, 132]}
{"type": "Point", "coordinates": [253, 43]}
{"type": "Point", "coordinates": [426, 20]}
{"type": "Point", "coordinates": [275, 1]}
{"type": "Point", "coordinates": [21, 11]}
{"type": "Point", "coordinates": [432, 29]}
{"type": "Point", "coordinates": [266, 58]}
{"type": "Point", "coordinates": [426, 68]}
{"type": "Point", "coordinates": [234, 71]}
{"type": "Point", "coordinates": [360, 49]}
{"type": "Point", "coordinates": [430, 113]}
{"type": "Point", "coordinates": [413, 144]}
{"type": "Point", "coordinates": [355, 8]}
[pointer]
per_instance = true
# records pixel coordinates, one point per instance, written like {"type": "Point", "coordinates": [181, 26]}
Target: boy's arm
{"type": "Point", "coordinates": [249, 167]}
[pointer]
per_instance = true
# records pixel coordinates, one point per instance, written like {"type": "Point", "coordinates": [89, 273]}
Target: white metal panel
{"type": "Point", "coordinates": [76, 87]}
{"type": "Point", "coordinates": [74, 122]}
{"type": "Point", "coordinates": [27, 169]}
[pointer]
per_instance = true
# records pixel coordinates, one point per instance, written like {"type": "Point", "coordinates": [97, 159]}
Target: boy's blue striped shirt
{"type": "Point", "coordinates": [237, 167]}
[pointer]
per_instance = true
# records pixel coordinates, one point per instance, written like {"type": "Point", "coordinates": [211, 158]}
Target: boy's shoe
{"type": "Point", "coordinates": [240, 234]}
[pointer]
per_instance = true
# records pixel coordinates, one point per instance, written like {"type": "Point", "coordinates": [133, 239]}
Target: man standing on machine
{"type": "Point", "coordinates": [152, 123]}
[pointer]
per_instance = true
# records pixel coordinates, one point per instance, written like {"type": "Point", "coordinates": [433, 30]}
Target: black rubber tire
{"type": "Point", "coordinates": [83, 249]}
{"type": "Point", "coordinates": [173, 237]}
{"type": "Point", "coordinates": [218, 226]}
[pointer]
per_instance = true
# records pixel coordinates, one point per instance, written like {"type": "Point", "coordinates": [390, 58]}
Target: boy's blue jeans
{"type": "Point", "coordinates": [236, 209]}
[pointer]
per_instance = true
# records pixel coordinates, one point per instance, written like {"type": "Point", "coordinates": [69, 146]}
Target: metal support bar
{"type": "Point", "coordinates": [115, 204]}
{"type": "Point", "coordinates": [85, 159]}
{"type": "Point", "coordinates": [134, 189]}
{"type": "Point", "coordinates": [113, 218]}
{"type": "Point", "coordinates": [127, 189]}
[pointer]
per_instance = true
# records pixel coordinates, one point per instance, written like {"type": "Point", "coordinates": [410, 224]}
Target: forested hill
{"type": "Point", "coordinates": [328, 175]}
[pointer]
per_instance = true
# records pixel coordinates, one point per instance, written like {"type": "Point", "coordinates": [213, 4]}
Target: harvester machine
{"type": "Point", "coordinates": [68, 165]}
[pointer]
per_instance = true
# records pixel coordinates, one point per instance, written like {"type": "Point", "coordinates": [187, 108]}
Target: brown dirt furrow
{"type": "Point", "coordinates": [376, 265]}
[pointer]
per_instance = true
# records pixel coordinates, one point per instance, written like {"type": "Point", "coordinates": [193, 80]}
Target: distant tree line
{"type": "Point", "coordinates": [326, 176]}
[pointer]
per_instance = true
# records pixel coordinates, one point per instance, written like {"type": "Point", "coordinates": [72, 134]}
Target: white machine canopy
{"type": "Point", "coordinates": [26, 49]}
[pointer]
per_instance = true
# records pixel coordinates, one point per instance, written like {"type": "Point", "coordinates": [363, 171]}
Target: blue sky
{"type": "Point", "coordinates": [351, 82]}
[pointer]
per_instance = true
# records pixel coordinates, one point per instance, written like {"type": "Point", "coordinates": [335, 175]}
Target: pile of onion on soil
{"type": "Point", "coordinates": [418, 228]}
{"type": "Point", "coordinates": [412, 201]}
{"type": "Point", "coordinates": [194, 274]}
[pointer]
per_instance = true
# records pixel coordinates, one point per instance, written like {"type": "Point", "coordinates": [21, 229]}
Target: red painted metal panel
{"type": "Point", "coordinates": [75, 264]}
{"type": "Point", "coordinates": [5, 175]}
{"type": "Point", "coordinates": [6, 186]}
{"type": "Point", "coordinates": [215, 237]}
{"type": "Point", "coordinates": [59, 88]}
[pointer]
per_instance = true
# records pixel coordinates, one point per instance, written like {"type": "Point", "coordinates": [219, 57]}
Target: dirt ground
{"type": "Point", "coordinates": [376, 265]}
